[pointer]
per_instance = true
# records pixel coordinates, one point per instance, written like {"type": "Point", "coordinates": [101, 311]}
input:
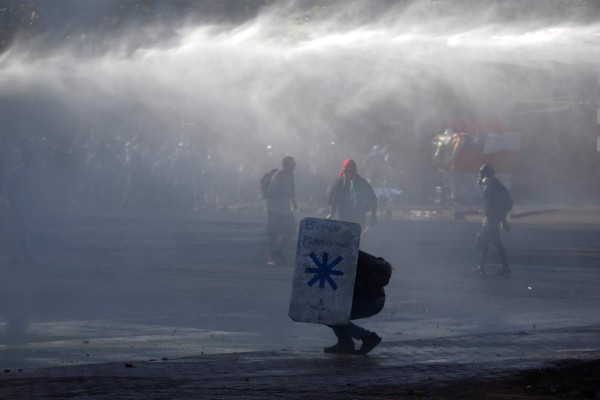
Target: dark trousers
{"type": "Point", "coordinates": [491, 230]}
{"type": "Point", "coordinates": [361, 308]}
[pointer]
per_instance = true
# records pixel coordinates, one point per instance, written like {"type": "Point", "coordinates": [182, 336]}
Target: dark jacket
{"type": "Point", "coordinates": [496, 200]}
{"type": "Point", "coordinates": [366, 285]}
{"type": "Point", "coordinates": [353, 198]}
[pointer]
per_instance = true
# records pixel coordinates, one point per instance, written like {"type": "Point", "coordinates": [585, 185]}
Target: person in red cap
{"type": "Point", "coordinates": [353, 197]}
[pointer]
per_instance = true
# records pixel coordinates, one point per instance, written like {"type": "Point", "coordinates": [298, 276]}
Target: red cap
{"type": "Point", "coordinates": [348, 164]}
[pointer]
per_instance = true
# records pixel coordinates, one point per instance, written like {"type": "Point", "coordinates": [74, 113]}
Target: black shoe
{"type": "Point", "coordinates": [341, 348]}
{"type": "Point", "coordinates": [369, 342]}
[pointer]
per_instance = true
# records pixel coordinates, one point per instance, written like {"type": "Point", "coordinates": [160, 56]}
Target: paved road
{"type": "Point", "coordinates": [167, 291]}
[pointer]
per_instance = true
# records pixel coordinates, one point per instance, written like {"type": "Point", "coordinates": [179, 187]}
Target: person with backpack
{"type": "Point", "coordinates": [280, 193]}
{"type": "Point", "coordinates": [497, 202]}
{"type": "Point", "coordinates": [372, 274]}
{"type": "Point", "coordinates": [352, 197]}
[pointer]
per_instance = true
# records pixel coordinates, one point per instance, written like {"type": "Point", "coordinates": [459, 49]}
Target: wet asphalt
{"type": "Point", "coordinates": [186, 301]}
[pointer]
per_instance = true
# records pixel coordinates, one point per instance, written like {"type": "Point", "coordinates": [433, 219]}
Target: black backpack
{"type": "Point", "coordinates": [264, 183]}
{"type": "Point", "coordinates": [375, 272]}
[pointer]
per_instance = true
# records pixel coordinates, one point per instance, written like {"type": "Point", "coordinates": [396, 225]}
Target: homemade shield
{"type": "Point", "coordinates": [325, 271]}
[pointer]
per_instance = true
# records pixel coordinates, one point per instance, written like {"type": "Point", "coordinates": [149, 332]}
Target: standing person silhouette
{"type": "Point", "coordinates": [496, 204]}
{"type": "Point", "coordinates": [281, 224]}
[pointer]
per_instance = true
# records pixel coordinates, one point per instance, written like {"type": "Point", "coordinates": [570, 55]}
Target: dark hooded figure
{"type": "Point", "coordinates": [496, 204]}
{"type": "Point", "coordinates": [353, 197]}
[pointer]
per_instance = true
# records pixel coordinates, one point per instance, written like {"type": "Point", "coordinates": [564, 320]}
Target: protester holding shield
{"type": "Point", "coordinates": [336, 283]}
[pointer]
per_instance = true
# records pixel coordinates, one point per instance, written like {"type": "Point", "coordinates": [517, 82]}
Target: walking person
{"type": "Point", "coordinates": [353, 197]}
{"type": "Point", "coordinates": [280, 195]}
{"type": "Point", "coordinates": [497, 202]}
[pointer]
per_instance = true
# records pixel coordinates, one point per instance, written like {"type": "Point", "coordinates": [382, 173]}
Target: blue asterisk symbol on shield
{"type": "Point", "coordinates": [324, 271]}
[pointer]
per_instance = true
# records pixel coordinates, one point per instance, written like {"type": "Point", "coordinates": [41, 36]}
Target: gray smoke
{"type": "Point", "coordinates": [299, 78]}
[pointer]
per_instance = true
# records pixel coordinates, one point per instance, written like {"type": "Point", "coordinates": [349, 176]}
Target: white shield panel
{"type": "Point", "coordinates": [325, 271]}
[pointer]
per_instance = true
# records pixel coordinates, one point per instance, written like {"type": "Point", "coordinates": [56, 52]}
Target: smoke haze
{"type": "Point", "coordinates": [298, 77]}
{"type": "Point", "coordinates": [188, 110]}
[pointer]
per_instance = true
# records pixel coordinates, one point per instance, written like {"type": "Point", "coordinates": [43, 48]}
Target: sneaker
{"type": "Point", "coordinates": [369, 342]}
{"type": "Point", "coordinates": [504, 271]}
{"type": "Point", "coordinates": [271, 261]}
{"type": "Point", "coordinates": [341, 348]}
{"type": "Point", "coordinates": [479, 270]}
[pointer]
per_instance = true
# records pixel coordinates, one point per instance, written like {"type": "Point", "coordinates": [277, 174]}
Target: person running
{"type": "Point", "coordinates": [352, 197]}
{"type": "Point", "coordinates": [281, 203]}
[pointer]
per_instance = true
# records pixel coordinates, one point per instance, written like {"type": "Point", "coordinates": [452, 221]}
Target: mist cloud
{"type": "Point", "coordinates": [298, 77]}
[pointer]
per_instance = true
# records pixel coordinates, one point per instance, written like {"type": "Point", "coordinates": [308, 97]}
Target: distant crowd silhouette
{"type": "Point", "coordinates": [120, 173]}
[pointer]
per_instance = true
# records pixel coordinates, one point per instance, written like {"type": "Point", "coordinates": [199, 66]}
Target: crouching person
{"type": "Point", "coordinates": [372, 274]}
